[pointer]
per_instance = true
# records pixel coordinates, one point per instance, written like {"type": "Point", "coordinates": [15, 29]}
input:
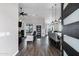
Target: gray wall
{"type": "Point", "coordinates": [8, 29]}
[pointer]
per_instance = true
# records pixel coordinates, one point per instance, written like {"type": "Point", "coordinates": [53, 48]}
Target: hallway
{"type": "Point", "coordinates": [41, 47]}
{"type": "Point", "coordinates": [39, 29]}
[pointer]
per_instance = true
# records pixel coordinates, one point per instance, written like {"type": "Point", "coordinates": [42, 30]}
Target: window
{"type": "Point", "coordinates": [29, 28]}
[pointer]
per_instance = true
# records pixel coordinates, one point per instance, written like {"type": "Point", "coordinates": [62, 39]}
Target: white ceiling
{"type": "Point", "coordinates": [41, 9]}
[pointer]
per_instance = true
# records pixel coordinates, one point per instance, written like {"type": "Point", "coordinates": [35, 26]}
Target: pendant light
{"type": "Point", "coordinates": [55, 14]}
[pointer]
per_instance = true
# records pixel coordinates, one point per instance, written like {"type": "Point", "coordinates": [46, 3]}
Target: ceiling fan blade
{"type": "Point", "coordinates": [25, 14]}
{"type": "Point", "coordinates": [22, 13]}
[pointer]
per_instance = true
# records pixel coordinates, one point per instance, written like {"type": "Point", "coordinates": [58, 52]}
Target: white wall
{"type": "Point", "coordinates": [73, 42]}
{"type": "Point", "coordinates": [8, 24]}
{"type": "Point", "coordinates": [65, 54]}
{"type": "Point", "coordinates": [65, 5]}
{"type": "Point", "coordinates": [74, 17]}
{"type": "Point", "coordinates": [35, 20]}
{"type": "Point", "coordinates": [57, 26]}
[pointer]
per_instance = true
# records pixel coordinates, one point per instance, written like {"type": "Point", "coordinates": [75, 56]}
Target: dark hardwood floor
{"type": "Point", "coordinates": [40, 47]}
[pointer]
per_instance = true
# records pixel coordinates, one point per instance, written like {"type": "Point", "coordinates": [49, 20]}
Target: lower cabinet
{"type": "Point", "coordinates": [54, 44]}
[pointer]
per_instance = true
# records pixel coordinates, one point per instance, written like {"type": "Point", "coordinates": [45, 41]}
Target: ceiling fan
{"type": "Point", "coordinates": [22, 12]}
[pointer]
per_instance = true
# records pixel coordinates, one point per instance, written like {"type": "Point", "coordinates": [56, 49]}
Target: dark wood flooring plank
{"type": "Point", "coordinates": [39, 48]}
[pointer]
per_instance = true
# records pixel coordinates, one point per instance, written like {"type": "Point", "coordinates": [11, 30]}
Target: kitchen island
{"type": "Point", "coordinates": [54, 39]}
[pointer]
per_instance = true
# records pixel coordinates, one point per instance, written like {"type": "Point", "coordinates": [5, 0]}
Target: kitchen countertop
{"type": "Point", "coordinates": [54, 36]}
